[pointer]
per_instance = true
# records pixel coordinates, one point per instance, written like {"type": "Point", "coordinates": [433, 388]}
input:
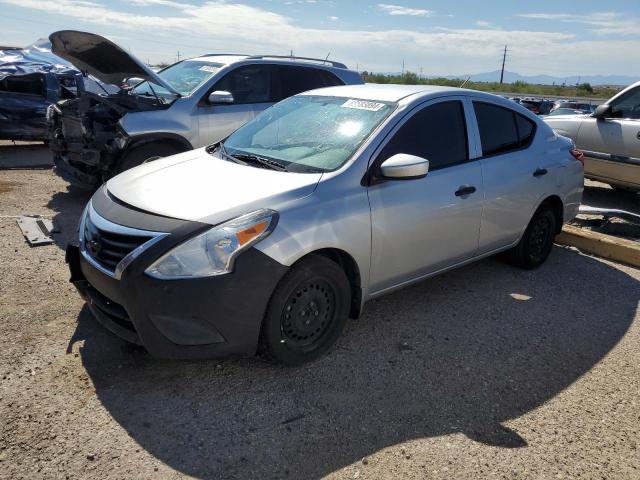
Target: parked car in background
{"type": "Point", "coordinates": [573, 105]}
{"type": "Point", "coordinates": [537, 106]}
{"type": "Point", "coordinates": [31, 79]}
{"type": "Point", "coordinates": [609, 138]}
{"type": "Point", "coordinates": [276, 235]}
{"type": "Point", "coordinates": [188, 105]}
{"type": "Point", "coordinates": [568, 111]}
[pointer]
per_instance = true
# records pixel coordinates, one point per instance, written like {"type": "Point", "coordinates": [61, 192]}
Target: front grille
{"type": "Point", "coordinates": [109, 248]}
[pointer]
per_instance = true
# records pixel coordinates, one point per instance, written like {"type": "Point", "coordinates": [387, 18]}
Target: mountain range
{"type": "Point", "coordinates": [511, 77]}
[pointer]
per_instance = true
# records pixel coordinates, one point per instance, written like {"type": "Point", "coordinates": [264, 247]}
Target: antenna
{"type": "Point", "coordinates": [465, 82]}
{"type": "Point", "coordinates": [327, 57]}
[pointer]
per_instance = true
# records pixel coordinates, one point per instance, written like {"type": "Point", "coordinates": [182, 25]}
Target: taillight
{"type": "Point", "coordinates": [578, 155]}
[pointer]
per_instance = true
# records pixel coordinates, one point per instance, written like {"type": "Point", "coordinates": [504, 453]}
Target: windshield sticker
{"type": "Point", "coordinates": [363, 105]}
{"type": "Point", "coordinates": [207, 68]}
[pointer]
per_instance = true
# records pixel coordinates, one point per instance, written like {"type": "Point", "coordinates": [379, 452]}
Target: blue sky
{"type": "Point", "coordinates": [558, 37]}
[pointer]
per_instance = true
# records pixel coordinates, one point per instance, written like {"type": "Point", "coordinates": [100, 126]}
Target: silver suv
{"type": "Point", "coordinates": [326, 200]}
{"type": "Point", "coordinates": [190, 104]}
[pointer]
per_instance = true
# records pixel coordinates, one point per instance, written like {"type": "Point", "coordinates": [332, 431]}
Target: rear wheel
{"type": "Point", "coordinates": [307, 312]}
{"type": "Point", "coordinates": [536, 243]}
{"type": "Point", "coordinates": [145, 153]}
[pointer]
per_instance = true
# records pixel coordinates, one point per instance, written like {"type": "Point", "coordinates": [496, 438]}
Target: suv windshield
{"type": "Point", "coordinates": [184, 77]}
{"type": "Point", "coordinates": [309, 133]}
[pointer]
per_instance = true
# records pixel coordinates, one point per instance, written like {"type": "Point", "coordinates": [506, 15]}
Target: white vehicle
{"type": "Point", "coordinates": [326, 200]}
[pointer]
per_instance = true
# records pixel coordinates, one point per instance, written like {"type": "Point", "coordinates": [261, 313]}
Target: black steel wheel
{"type": "Point", "coordinates": [307, 311]}
{"type": "Point", "coordinates": [536, 243]}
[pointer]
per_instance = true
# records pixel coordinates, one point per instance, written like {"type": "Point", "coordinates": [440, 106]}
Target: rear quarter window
{"type": "Point", "coordinates": [501, 129]}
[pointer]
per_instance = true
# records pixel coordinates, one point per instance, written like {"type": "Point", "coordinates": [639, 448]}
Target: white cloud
{"type": "Point", "coordinates": [333, 18]}
{"type": "Point", "coordinates": [482, 23]}
{"type": "Point", "coordinates": [602, 23]}
{"type": "Point", "coordinates": [400, 10]}
{"type": "Point", "coordinates": [207, 27]}
{"type": "Point", "coordinates": [164, 3]}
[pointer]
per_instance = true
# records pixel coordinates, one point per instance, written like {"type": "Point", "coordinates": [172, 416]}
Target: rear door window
{"type": "Point", "coordinates": [437, 132]}
{"type": "Point", "coordinates": [501, 129]}
{"type": "Point", "coordinates": [294, 80]}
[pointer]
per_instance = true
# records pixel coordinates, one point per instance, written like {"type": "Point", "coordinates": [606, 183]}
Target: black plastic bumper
{"type": "Point", "coordinates": [195, 318]}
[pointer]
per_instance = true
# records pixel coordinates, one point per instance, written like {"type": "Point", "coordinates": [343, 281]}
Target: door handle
{"type": "Point", "coordinates": [540, 172]}
{"type": "Point", "coordinates": [465, 190]}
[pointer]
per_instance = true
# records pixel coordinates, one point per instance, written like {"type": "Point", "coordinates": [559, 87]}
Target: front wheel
{"type": "Point", "coordinates": [307, 312]}
{"type": "Point", "coordinates": [536, 243]}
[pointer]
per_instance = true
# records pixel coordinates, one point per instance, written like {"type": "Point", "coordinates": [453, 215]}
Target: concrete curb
{"type": "Point", "coordinates": [605, 246]}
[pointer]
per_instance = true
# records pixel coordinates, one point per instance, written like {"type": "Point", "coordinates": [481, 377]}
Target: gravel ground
{"type": "Point", "coordinates": [484, 372]}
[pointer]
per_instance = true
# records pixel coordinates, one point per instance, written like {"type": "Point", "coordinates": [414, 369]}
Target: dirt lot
{"type": "Point", "coordinates": [485, 372]}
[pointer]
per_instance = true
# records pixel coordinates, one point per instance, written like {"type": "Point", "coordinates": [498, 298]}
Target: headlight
{"type": "Point", "coordinates": [214, 251]}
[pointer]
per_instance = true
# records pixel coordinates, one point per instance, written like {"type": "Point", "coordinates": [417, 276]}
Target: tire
{"type": "Point", "coordinates": [145, 153]}
{"type": "Point", "coordinates": [536, 243]}
{"type": "Point", "coordinates": [307, 312]}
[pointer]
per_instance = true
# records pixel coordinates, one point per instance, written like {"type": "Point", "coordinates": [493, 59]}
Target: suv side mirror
{"type": "Point", "coordinates": [602, 111]}
{"type": "Point", "coordinates": [220, 96]}
{"type": "Point", "coordinates": [402, 166]}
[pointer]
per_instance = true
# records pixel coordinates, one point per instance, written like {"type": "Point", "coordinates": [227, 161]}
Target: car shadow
{"type": "Point", "coordinates": [68, 205]}
{"type": "Point", "coordinates": [24, 155]}
{"type": "Point", "coordinates": [460, 353]}
{"type": "Point", "coordinates": [600, 195]}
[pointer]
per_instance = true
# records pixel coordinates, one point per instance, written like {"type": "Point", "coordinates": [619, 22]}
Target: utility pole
{"type": "Point", "coordinates": [403, 66]}
{"type": "Point", "coordinates": [504, 59]}
{"type": "Point", "coordinates": [178, 55]}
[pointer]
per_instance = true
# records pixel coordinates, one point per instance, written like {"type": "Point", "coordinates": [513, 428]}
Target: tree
{"type": "Point", "coordinates": [586, 87]}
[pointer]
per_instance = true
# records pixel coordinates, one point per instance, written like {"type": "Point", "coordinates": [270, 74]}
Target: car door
{"type": "Point", "coordinates": [515, 177]}
{"type": "Point", "coordinates": [612, 145]}
{"type": "Point", "coordinates": [252, 87]}
{"type": "Point", "coordinates": [423, 225]}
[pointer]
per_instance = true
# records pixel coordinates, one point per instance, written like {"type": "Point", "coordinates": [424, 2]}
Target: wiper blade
{"type": "Point", "coordinates": [261, 160]}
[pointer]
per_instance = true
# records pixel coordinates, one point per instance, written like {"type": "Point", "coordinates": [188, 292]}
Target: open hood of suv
{"type": "Point", "coordinates": [101, 58]}
{"type": "Point", "coordinates": [199, 186]}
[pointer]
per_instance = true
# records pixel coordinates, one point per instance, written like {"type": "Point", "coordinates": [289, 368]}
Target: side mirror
{"type": "Point", "coordinates": [220, 96]}
{"type": "Point", "coordinates": [602, 111]}
{"type": "Point", "coordinates": [402, 166]}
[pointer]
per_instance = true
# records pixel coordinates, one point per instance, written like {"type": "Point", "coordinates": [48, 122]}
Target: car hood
{"type": "Point", "coordinates": [101, 58]}
{"type": "Point", "coordinates": [202, 187]}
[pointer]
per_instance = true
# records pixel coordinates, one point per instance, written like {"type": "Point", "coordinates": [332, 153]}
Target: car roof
{"type": "Point", "coordinates": [396, 93]}
{"type": "Point", "coordinates": [229, 58]}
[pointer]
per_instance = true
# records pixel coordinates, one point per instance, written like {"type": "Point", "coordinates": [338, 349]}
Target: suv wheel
{"type": "Point", "coordinates": [307, 312]}
{"type": "Point", "coordinates": [536, 243]}
{"type": "Point", "coordinates": [145, 153]}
